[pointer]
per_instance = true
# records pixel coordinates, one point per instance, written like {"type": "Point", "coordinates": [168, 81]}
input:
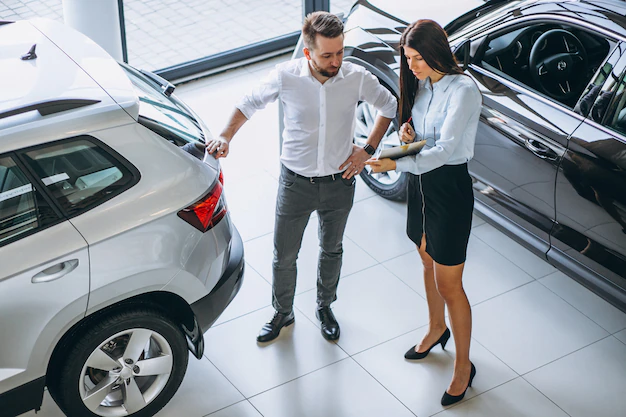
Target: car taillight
{"type": "Point", "coordinates": [208, 211]}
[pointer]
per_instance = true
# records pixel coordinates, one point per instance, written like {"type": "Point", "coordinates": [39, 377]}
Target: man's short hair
{"type": "Point", "coordinates": [320, 23]}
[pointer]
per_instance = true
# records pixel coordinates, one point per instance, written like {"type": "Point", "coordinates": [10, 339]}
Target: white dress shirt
{"type": "Point", "coordinates": [319, 118]}
{"type": "Point", "coordinates": [446, 114]}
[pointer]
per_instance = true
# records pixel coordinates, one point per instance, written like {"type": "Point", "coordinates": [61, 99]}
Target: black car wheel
{"type": "Point", "coordinates": [390, 185]}
{"type": "Point", "coordinates": [129, 364]}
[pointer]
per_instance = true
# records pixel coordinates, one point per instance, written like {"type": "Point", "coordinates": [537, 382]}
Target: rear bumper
{"type": "Point", "coordinates": [208, 308]}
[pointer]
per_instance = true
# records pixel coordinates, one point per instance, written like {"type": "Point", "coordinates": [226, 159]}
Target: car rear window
{"type": "Point", "coordinates": [80, 173]}
{"type": "Point", "coordinates": [22, 208]}
{"type": "Point", "coordinates": [164, 115]}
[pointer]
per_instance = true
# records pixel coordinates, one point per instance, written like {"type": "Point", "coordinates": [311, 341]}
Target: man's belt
{"type": "Point", "coordinates": [313, 180]}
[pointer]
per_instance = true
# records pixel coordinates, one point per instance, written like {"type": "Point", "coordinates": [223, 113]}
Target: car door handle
{"type": "Point", "coordinates": [541, 150]}
{"type": "Point", "coordinates": [55, 272]}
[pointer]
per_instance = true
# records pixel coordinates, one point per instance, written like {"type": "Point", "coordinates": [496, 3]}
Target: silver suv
{"type": "Point", "coordinates": [116, 248]}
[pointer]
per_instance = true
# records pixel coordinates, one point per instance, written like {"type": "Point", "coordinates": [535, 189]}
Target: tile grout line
{"type": "Point", "coordinates": [253, 406]}
{"type": "Point", "coordinates": [384, 387]}
{"type": "Point", "coordinates": [618, 339]}
{"type": "Point", "coordinates": [577, 309]}
{"type": "Point", "coordinates": [225, 377]}
{"type": "Point", "coordinates": [505, 292]}
{"type": "Point", "coordinates": [243, 315]}
{"type": "Point", "coordinates": [506, 257]}
{"type": "Point", "coordinates": [274, 387]}
{"type": "Point", "coordinates": [403, 282]}
{"type": "Point", "coordinates": [370, 255]}
{"type": "Point", "coordinates": [566, 355]}
{"type": "Point", "coordinates": [466, 400]}
{"type": "Point", "coordinates": [548, 398]}
{"type": "Point", "coordinates": [296, 378]}
{"type": "Point", "coordinates": [224, 408]}
{"type": "Point", "coordinates": [257, 237]}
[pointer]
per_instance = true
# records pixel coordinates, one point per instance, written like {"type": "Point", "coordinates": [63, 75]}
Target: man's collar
{"type": "Point", "coordinates": [305, 71]}
{"type": "Point", "coordinates": [340, 75]}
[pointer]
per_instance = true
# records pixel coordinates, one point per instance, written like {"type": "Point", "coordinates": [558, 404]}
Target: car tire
{"type": "Point", "coordinates": [129, 363]}
{"type": "Point", "coordinates": [390, 185]}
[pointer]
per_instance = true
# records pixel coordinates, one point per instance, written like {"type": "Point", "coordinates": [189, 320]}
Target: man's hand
{"type": "Point", "coordinates": [407, 134]}
{"type": "Point", "coordinates": [381, 165]}
{"type": "Point", "coordinates": [355, 164]}
{"type": "Point", "coordinates": [219, 146]}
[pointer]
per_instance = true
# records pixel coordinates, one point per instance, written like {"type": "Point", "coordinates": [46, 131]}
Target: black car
{"type": "Point", "coordinates": [550, 159]}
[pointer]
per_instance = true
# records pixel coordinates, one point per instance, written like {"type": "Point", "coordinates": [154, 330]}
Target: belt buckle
{"type": "Point", "coordinates": [311, 180]}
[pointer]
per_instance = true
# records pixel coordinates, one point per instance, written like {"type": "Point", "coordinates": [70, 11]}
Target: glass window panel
{"type": "Point", "coordinates": [165, 115]}
{"type": "Point", "coordinates": [341, 6]}
{"type": "Point", "coordinates": [79, 174]}
{"type": "Point", "coordinates": [22, 209]}
{"type": "Point", "coordinates": [162, 33]}
{"type": "Point", "coordinates": [25, 9]}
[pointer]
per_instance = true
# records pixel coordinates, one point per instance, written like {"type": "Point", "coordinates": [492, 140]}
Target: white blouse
{"type": "Point", "coordinates": [446, 114]}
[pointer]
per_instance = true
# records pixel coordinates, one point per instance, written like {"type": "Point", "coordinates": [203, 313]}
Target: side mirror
{"type": "Point", "coordinates": [462, 53]}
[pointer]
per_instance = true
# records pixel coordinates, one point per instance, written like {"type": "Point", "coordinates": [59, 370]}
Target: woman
{"type": "Point", "coordinates": [444, 105]}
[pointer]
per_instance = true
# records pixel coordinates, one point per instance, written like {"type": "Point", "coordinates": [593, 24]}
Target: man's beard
{"type": "Point", "coordinates": [324, 72]}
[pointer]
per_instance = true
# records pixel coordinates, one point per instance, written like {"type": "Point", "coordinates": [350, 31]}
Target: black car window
{"type": "Point", "coordinates": [616, 116]}
{"type": "Point", "coordinates": [80, 173]}
{"type": "Point", "coordinates": [609, 101]}
{"type": "Point", "coordinates": [554, 59]}
{"type": "Point", "coordinates": [600, 87]}
{"type": "Point", "coordinates": [22, 209]}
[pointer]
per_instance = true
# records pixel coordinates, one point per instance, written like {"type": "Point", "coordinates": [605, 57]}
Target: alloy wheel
{"type": "Point", "coordinates": [126, 373]}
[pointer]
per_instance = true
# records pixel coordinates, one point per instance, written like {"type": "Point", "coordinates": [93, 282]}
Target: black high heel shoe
{"type": "Point", "coordinates": [412, 354]}
{"type": "Point", "coordinates": [448, 399]}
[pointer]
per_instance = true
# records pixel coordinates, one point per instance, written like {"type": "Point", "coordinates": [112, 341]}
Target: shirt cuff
{"type": "Point", "coordinates": [390, 110]}
{"type": "Point", "coordinates": [246, 109]}
{"type": "Point", "coordinates": [406, 164]}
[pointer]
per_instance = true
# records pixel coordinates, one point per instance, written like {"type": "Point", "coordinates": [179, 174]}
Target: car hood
{"type": "Point", "coordinates": [411, 11]}
{"type": "Point", "coordinates": [376, 25]}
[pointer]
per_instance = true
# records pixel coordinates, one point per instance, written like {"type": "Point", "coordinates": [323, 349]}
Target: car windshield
{"type": "Point", "coordinates": [164, 114]}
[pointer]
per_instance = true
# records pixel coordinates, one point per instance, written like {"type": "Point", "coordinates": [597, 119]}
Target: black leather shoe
{"type": "Point", "coordinates": [412, 354]}
{"type": "Point", "coordinates": [448, 399]}
{"type": "Point", "coordinates": [271, 329]}
{"type": "Point", "coordinates": [330, 327]}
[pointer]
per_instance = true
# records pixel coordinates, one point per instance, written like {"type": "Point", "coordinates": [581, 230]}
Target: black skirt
{"type": "Point", "coordinates": [440, 204]}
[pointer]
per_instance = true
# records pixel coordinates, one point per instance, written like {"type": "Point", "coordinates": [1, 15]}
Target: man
{"type": "Point", "coordinates": [319, 161]}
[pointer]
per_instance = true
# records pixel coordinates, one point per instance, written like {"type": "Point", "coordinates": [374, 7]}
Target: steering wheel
{"type": "Point", "coordinates": [558, 74]}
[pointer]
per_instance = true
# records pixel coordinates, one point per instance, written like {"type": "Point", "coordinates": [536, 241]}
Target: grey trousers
{"type": "Point", "coordinates": [297, 199]}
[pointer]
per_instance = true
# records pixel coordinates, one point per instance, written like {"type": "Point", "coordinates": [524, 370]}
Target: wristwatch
{"type": "Point", "coordinates": [369, 149]}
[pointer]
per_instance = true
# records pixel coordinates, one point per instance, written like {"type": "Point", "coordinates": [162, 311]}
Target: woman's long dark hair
{"type": "Point", "coordinates": [431, 41]}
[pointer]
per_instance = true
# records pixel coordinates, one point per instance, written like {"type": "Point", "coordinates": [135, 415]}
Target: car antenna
{"type": "Point", "coordinates": [31, 54]}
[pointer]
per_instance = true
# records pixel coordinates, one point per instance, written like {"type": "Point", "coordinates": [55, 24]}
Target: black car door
{"type": "Point", "coordinates": [524, 127]}
{"type": "Point", "coordinates": [589, 237]}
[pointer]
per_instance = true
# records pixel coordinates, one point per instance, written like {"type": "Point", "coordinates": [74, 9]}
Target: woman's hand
{"type": "Point", "coordinates": [381, 165]}
{"type": "Point", "coordinates": [407, 134]}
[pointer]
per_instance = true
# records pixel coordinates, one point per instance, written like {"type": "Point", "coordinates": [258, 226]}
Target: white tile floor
{"type": "Point", "coordinates": [543, 345]}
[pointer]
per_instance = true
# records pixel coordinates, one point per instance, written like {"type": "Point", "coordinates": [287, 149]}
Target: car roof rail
{"type": "Point", "coordinates": [48, 107]}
